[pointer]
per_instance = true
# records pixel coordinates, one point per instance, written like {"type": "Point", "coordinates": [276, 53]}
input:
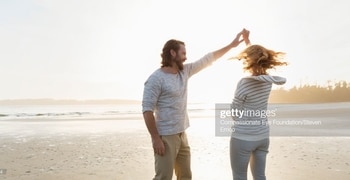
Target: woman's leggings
{"type": "Point", "coordinates": [244, 152]}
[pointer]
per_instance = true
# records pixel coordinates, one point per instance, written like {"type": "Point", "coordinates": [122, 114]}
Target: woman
{"type": "Point", "coordinates": [250, 136]}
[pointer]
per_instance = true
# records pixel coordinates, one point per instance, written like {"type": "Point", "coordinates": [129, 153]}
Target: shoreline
{"type": "Point", "coordinates": [116, 149]}
{"type": "Point", "coordinates": [110, 148]}
{"type": "Point", "coordinates": [111, 155]}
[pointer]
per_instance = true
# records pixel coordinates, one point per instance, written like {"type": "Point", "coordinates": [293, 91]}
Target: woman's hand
{"type": "Point", "coordinates": [245, 35]}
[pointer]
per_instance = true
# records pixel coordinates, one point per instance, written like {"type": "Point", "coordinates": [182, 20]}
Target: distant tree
{"type": "Point", "coordinates": [338, 92]}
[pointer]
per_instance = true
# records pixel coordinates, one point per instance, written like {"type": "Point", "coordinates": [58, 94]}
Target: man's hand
{"type": "Point", "coordinates": [237, 40]}
{"type": "Point", "coordinates": [219, 53]}
{"type": "Point", "coordinates": [158, 145]}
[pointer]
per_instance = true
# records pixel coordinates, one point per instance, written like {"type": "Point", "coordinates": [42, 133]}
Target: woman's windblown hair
{"type": "Point", "coordinates": [258, 59]}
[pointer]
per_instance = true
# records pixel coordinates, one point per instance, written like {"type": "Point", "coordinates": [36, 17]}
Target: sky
{"type": "Point", "coordinates": [106, 49]}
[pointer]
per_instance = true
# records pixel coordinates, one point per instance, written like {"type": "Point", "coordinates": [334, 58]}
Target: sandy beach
{"type": "Point", "coordinates": [121, 149]}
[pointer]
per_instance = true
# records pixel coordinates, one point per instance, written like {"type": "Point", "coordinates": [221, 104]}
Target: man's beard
{"type": "Point", "coordinates": [179, 63]}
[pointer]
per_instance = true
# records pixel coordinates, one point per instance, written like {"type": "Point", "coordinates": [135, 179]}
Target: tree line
{"type": "Point", "coordinates": [336, 92]}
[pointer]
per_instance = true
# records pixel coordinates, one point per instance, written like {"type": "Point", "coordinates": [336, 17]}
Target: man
{"type": "Point", "coordinates": [164, 107]}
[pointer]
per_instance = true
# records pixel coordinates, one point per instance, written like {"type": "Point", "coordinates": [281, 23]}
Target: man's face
{"type": "Point", "coordinates": [180, 57]}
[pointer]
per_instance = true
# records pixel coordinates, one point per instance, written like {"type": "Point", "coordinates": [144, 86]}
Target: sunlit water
{"type": "Point", "coordinates": [209, 150]}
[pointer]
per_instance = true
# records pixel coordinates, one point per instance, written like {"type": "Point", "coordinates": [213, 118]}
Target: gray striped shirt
{"type": "Point", "coordinates": [251, 98]}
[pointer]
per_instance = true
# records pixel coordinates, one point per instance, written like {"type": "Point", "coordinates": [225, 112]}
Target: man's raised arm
{"type": "Point", "coordinates": [220, 52]}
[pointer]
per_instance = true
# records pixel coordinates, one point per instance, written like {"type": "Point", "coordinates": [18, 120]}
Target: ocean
{"type": "Point", "coordinates": [133, 110]}
{"type": "Point", "coordinates": [88, 111]}
{"type": "Point", "coordinates": [68, 111]}
{"type": "Point", "coordinates": [326, 119]}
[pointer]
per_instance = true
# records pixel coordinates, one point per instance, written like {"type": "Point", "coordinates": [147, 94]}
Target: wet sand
{"type": "Point", "coordinates": [116, 149]}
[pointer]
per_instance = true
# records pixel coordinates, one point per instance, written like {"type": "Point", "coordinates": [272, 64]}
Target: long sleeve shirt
{"type": "Point", "coordinates": [251, 98]}
{"type": "Point", "coordinates": [165, 94]}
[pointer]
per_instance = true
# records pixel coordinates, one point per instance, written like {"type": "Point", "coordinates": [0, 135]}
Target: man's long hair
{"type": "Point", "coordinates": [172, 44]}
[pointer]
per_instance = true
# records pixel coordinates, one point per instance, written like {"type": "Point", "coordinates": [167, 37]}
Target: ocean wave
{"type": "Point", "coordinates": [63, 115]}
